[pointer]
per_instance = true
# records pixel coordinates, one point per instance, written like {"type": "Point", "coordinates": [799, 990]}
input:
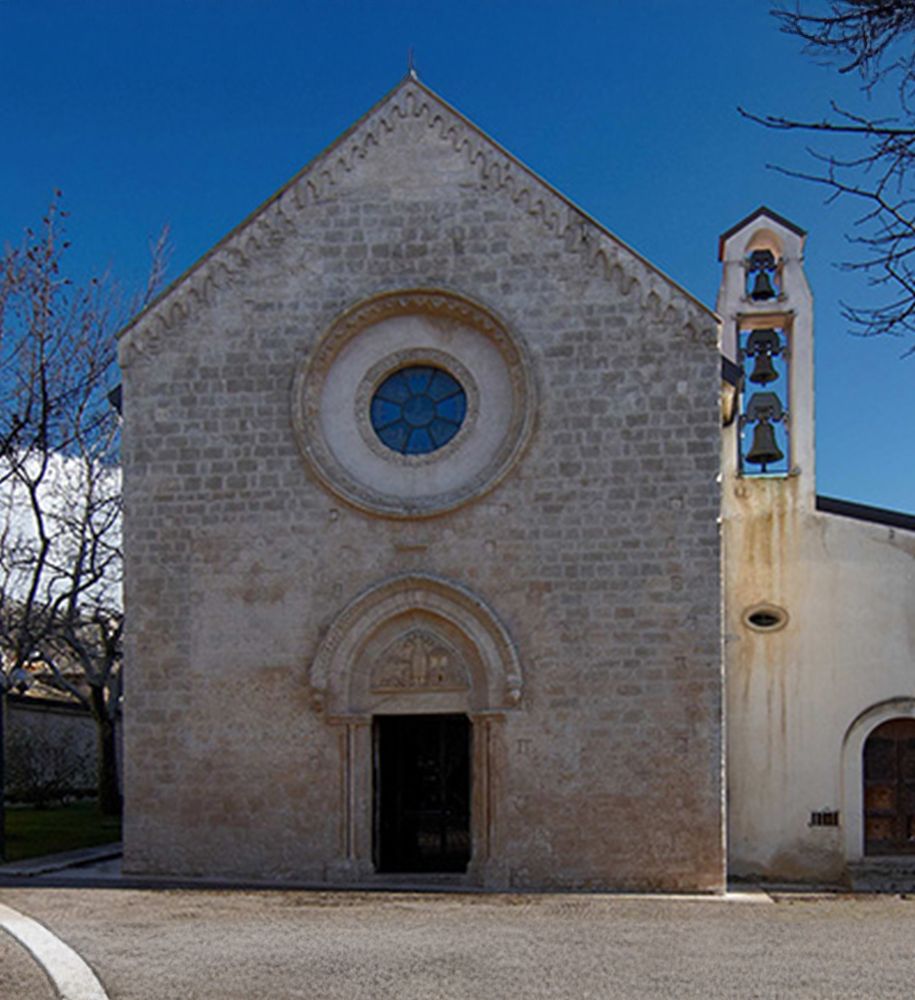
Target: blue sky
{"type": "Point", "coordinates": [192, 112]}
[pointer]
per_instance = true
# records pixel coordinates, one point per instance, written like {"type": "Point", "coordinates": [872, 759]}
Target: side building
{"type": "Point", "coordinates": [819, 607]}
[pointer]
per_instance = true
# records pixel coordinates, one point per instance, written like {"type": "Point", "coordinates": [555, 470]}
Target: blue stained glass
{"type": "Point", "coordinates": [418, 410]}
{"type": "Point", "coordinates": [442, 431]}
{"type": "Point", "coordinates": [417, 379]}
{"type": "Point", "coordinates": [443, 385]}
{"type": "Point", "coordinates": [384, 413]}
{"type": "Point", "coordinates": [394, 389]}
{"type": "Point", "coordinates": [454, 408]}
{"type": "Point", "coordinates": [395, 436]}
{"type": "Point", "coordinates": [420, 442]}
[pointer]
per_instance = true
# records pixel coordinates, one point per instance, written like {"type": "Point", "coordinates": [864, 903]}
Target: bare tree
{"type": "Point", "coordinates": [61, 615]}
{"type": "Point", "coordinates": [874, 39]}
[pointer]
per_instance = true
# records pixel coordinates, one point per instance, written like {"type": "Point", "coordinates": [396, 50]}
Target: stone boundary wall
{"type": "Point", "coordinates": [50, 750]}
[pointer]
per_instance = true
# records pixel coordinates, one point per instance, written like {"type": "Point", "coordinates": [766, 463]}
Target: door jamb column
{"type": "Point", "coordinates": [354, 851]}
{"type": "Point", "coordinates": [486, 771]}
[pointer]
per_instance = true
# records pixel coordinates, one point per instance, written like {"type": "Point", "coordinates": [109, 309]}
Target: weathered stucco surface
{"type": "Point", "coordinates": [847, 651]}
{"type": "Point", "coordinates": [596, 552]}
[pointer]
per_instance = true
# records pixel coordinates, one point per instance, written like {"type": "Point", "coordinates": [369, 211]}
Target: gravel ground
{"type": "Point", "coordinates": [181, 945]}
{"type": "Point", "coordinates": [21, 978]}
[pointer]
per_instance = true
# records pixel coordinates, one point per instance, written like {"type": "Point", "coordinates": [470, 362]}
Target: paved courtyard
{"type": "Point", "coordinates": [278, 945]}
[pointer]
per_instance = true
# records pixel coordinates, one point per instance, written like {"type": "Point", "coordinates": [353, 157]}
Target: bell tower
{"type": "Point", "coordinates": [768, 499]}
{"type": "Point", "coordinates": [767, 313]}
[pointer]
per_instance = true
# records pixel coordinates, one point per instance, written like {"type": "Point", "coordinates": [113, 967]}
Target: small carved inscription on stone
{"type": "Point", "coordinates": [419, 661]}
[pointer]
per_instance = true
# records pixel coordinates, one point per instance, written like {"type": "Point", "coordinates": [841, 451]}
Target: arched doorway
{"type": "Point", "coordinates": [417, 674]}
{"type": "Point", "coordinates": [889, 789]}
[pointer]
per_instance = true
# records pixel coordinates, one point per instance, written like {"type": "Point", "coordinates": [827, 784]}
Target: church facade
{"type": "Point", "coordinates": [437, 552]}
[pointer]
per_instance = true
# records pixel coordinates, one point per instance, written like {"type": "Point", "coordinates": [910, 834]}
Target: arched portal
{"type": "Point", "coordinates": [879, 780]}
{"type": "Point", "coordinates": [889, 788]}
{"type": "Point", "coordinates": [417, 673]}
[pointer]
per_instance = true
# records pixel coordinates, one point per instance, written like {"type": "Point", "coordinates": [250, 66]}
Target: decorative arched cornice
{"type": "Point", "coordinates": [496, 168]}
{"type": "Point", "coordinates": [330, 676]}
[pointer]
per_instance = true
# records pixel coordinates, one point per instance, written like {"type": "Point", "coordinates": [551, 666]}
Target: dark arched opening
{"type": "Point", "coordinates": [889, 789]}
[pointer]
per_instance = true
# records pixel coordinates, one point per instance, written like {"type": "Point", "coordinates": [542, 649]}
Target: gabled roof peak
{"type": "Point", "coordinates": [752, 217]}
{"type": "Point", "coordinates": [501, 172]}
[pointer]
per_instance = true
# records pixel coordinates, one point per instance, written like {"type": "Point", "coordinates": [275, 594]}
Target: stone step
{"type": "Point", "coordinates": [892, 875]}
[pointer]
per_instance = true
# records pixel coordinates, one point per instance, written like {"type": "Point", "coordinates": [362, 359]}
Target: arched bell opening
{"type": "Point", "coordinates": [763, 355]}
{"type": "Point", "coordinates": [763, 267]}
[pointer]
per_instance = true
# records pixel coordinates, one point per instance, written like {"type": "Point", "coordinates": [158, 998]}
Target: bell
{"type": "Point", "coordinates": [761, 260]}
{"type": "Point", "coordinates": [763, 370]}
{"type": "Point", "coordinates": [764, 406]}
{"type": "Point", "coordinates": [759, 264]}
{"type": "Point", "coordinates": [762, 287]}
{"type": "Point", "coordinates": [764, 450]}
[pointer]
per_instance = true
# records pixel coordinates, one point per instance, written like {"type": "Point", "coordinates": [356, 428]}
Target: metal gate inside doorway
{"type": "Point", "coordinates": [422, 793]}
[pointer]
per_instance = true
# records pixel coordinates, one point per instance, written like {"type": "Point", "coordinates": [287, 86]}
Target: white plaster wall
{"type": "Point", "coordinates": [848, 586]}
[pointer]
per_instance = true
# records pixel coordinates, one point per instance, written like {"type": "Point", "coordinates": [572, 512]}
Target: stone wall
{"type": "Point", "coordinates": [50, 750]}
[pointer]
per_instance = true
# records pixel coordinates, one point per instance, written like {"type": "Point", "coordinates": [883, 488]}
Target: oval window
{"type": "Point", "coordinates": [766, 617]}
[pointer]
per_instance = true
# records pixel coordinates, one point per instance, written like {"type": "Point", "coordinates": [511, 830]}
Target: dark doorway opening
{"type": "Point", "coordinates": [422, 793]}
{"type": "Point", "coordinates": [889, 788]}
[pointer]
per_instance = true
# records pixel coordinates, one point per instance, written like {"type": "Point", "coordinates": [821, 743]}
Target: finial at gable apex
{"type": "Point", "coordinates": [411, 64]}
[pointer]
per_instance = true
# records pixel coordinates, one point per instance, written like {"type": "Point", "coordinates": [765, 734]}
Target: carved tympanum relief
{"type": "Point", "coordinates": [419, 661]}
{"type": "Point", "coordinates": [370, 632]}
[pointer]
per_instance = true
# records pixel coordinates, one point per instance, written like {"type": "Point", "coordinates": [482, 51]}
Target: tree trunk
{"type": "Point", "coordinates": [109, 793]}
{"type": "Point", "coordinates": [2, 775]}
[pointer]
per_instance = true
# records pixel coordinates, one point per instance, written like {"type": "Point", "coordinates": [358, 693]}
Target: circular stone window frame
{"type": "Point", "coordinates": [766, 609]}
{"type": "Point", "coordinates": [435, 304]}
{"type": "Point", "coordinates": [396, 362]}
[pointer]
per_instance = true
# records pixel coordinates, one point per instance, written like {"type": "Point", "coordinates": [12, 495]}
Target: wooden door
{"type": "Point", "coordinates": [889, 789]}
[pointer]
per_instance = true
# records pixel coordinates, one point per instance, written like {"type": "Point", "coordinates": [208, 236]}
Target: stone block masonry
{"type": "Point", "coordinates": [589, 565]}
